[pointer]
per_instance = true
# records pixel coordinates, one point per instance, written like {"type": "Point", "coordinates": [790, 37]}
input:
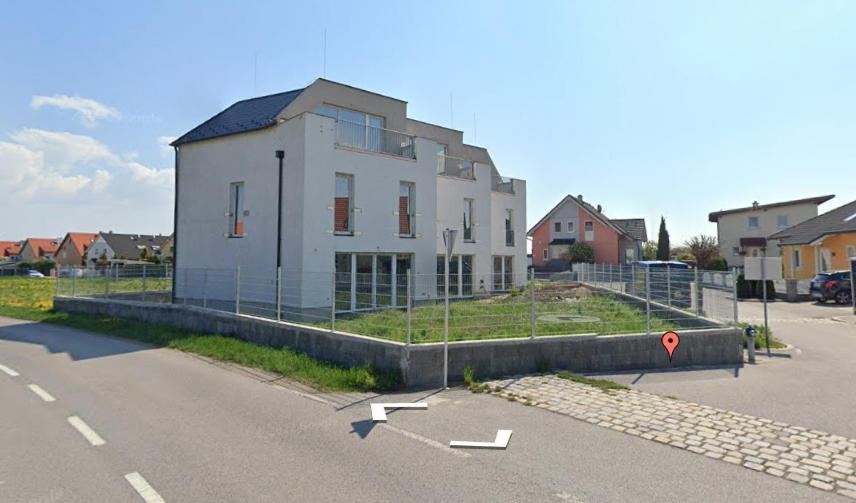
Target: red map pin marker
{"type": "Point", "coordinates": [670, 341]}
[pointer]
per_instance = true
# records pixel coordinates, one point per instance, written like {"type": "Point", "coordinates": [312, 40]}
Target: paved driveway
{"type": "Point", "coordinates": [815, 387]}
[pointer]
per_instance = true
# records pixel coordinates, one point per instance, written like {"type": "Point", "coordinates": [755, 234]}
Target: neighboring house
{"type": "Point", "coordinates": [367, 192]}
{"type": "Point", "coordinates": [744, 231]}
{"type": "Point", "coordinates": [166, 250]}
{"type": "Point", "coordinates": [10, 250]}
{"type": "Point", "coordinates": [114, 247]}
{"type": "Point", "coordinates": [72, 249]}
{"type": "Point", "coordinates": [821, 244]}
{"type": "Point", "coordinates": [614, 241]}
{"type": "Point", "coordinates": [35, 249]}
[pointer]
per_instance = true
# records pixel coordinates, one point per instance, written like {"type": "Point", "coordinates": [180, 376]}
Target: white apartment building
{"type": "Point", "coordinates": [365, 192]}
{"type": "Point", "coordinates": [743, 232]}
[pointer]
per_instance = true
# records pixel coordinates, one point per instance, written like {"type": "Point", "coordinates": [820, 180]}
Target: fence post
{"type": "Point", "coordinates": [205, 288]}
{"type": "Point", "coordinates": [73, 280]}
{"type": "Point", "coordinates": [107, 282]}
{"type": "Point", "coordinates": [698, 293]}
{"type": "Point", "coordinates": [333, 304]}
{"type": "Point", "coordinates": [669, 284]}
{"type": "Point", "coordinates": [238, 290]}
{"type": "Point", "coordinates": [633, 279]}
{"type": "Point", "coordinates": [648, 297]}
{"type": "Point", "coordinates": [621, 277]}
{"type": "Point", "coordinates": [734, 295]}
{"type": "Point", "coordinates": [532, 303]}
{"type": "Point", "coordinates": [144, 283]}
{"type": "Point", "coordinates": [409, 310]}
{"type": "Point", "coordinates": [279, 293]}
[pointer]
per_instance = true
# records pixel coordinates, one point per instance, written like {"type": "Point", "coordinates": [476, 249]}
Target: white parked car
{"type": "Point", "coordinates": [35, 274]}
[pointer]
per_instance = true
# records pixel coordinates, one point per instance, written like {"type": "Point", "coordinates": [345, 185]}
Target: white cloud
{"type": "Point", "coordinates": [88, 110]}
{"type": "Point", "coordinates": [164, 141]}
{"type": "Point", "coordinates": [46, 165]}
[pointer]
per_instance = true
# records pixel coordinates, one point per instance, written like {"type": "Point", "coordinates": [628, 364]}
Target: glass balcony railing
{"type": "Point", "coordinates": [455, 166]}
{"type": "Point", "coordinates": [502, 184]}
{"type": "Point", "coordinates": [374, 139]}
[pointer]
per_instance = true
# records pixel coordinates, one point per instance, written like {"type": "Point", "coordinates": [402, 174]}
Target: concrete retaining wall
{"type": "Point", "coordinates": [422, 365]}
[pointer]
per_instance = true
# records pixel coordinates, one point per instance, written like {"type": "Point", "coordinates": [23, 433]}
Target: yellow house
{"type": "Point", "coordinates": [821, 244]}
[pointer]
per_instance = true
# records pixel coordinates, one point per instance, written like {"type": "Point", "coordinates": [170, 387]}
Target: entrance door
{"type": "Point", "coordinates": [825, 260]}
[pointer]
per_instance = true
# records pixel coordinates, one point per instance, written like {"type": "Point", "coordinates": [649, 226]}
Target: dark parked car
{"type": "Point", "coordinates": [832, 286]}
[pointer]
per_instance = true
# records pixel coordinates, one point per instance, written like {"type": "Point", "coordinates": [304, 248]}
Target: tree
{"type": "Point", "coordinates": [580, 252]}
{"type": "Point", "coordinates": [649, 250]}
{"type": "Point", "coordinates": [703, 249]}
{"type": "Point", "coordinates": [663, 249]}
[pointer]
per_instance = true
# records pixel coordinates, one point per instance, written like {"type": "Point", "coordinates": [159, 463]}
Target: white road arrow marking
{"type": "Point", "coordinates": [379, 409]}
{"type": "Point", "coordinates": [501, 442]}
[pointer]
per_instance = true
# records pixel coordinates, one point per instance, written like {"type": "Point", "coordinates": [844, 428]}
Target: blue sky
{"type": "Point", "coordinates": [648, 108]}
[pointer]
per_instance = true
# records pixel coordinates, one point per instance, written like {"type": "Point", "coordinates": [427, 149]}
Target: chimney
{"type": "Point", "coordinates": [580, 197]}
{"type": "Point", "coordinates": [599, 208]}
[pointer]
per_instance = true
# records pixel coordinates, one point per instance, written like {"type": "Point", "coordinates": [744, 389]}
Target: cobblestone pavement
{"type": "Point", "coordinates": [805, 456]}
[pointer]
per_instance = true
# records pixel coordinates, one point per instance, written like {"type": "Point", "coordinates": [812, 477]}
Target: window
{"type": "Point", "coordinates": [509, 227]}
{"type": "Point", "coordinates": [851, 251]}
{"type": "Point", "coordinates": [753, 223]}
{"type": "Point", "coordinates": [629, 255]}
{"type": "Point", "coordinates": [503, 272]}
{"type": "Point", "coordinates": [797, 259]}
{"type": "Point", "coordinates": [557, 226]}
{"type": "Point", "coordinates": [589, 227]}
{"type": "Point", "coordinates": [370, 281]}
{"type": "Point", "coordinates": [782, 221]}
{"type": "Point", "coordinates": [460, 276]}
{"type": "Point", "coordinates": [356, 129]}
{"type": "Point", "coordinates": [544, 253]}
{"type": "Point", "coordinates": [570, 227]}
{"type": "Point", "coordinates": [343, 207]}
{"type": "Point", "coordinates": [236, 209]}
{"type": "Point", "coordinates": [405, 210]}
{"type": "Point", "coordinates": [468, 220]}
{"type": "Point", "coordinates": [735, 250]}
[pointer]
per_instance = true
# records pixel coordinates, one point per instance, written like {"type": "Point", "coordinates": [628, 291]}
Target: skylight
{"type": "Point", "coordinates": [851, 217]}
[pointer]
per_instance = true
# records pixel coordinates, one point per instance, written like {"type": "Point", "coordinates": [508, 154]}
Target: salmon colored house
{"type": "Point", "coordinates": [614, 241]}
{"type": "Point", "coordinates": [72, 250]}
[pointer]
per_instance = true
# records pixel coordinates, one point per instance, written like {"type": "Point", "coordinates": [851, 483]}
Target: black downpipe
{"type": "Point", "coordinates": [279, 155]}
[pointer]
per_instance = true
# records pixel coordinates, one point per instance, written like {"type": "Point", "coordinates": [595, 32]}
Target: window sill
{"type": "Point", "coordinates": [233, 236]}
{"type": "Point", "coordinates": [407, 236]}
{"type": "Point", "coordinates": [340, 233]}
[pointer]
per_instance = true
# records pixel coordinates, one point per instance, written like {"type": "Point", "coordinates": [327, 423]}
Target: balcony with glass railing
{"type": "Point", "coordinates": [502, 184]}
{"type": "Point", "coordinates": [374, 139]}
{"type": "Point", "coordinates": [455, 166]}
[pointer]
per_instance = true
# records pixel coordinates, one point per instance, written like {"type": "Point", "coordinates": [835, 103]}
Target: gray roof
{"type": "Point", "coordinates": [634, 227]}
{"type": "Point", "coordinates": [714, 217]}
{"type": "Point", "coordinates": [839, 220]}
{"type": "Point", "coordinates": [243, 116]}
{"type": "Point", "coordinates": [127, 245]}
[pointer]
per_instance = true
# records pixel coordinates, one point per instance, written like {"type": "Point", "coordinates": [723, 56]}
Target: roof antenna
{"type": "Point", "coordinates": [255, 73]}
{"type": "Point", "coordinates": [451, 112]}
{"type": "Point", "coordinates": [324, 67]}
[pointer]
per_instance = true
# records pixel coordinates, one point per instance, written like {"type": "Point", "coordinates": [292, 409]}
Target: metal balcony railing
{"type": "Point", "coordinates": [502, 184]}
{"type": "Point", "coordinates": [509, 237]}
{"type": "Point", "coordinates": [374, 139]}
{"type": "Point", "coordinates": [455, 166]}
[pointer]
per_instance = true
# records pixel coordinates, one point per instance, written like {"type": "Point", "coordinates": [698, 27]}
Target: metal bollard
{"type": "Point", "coordinates": [532, 303]}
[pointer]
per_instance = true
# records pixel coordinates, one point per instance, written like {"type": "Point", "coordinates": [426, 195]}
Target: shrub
{"type": "Point", "coordinates": [718, 264]}
{"type": "Point", "coordinates": [744, 288]}
{"type": "Point", "coordinates": [43, 266]}
{"type": "Point", "coordinates": [580, 252]}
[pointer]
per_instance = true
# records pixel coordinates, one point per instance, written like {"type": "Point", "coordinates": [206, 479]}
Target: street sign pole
{"type": "Point", "coordinates": [449, 240]}
{"type": "Point", "coordinates": [764, 288]}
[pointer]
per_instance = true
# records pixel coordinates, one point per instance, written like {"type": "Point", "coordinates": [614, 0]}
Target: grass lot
{"type": "Point", "coordinates": [761, 338]}
{"type": "Point", "coordinates": [505, 316]}
{"type": "Point", "coordinates": [31, 299]}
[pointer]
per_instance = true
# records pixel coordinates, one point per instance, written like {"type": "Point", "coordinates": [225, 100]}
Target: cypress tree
{"type": "Point", "coordinates": [663, 248]}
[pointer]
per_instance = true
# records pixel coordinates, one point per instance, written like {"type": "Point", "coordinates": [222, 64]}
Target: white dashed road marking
{"type": "Point", "coordinates": [9, 371]}
{"type": "Point", "coordinates": [44, 395]}
{"type": "Point", "coordinates": [86, 431]}
{"type": "Point", "coordinates": [143, 488]}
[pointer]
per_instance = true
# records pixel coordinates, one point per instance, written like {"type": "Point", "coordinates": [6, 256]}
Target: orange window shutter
{"type": "Point", "coordinates": [239, 228]}
{"type": "Point", "coordinates": [404, 215]}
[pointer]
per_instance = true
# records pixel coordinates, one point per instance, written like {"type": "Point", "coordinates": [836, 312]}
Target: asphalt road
{"type": "Point", "coordinates": [193, 431]}
{"type": "Point", "coordinates": [814, 387]}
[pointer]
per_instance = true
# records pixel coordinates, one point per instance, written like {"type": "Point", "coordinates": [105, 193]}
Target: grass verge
{"type": "Point", "coordinates": [32, 299]}
{"type": "Point", "coordinates": [761, 338]}
{"type": "Point", "coordinates": [601, 384]}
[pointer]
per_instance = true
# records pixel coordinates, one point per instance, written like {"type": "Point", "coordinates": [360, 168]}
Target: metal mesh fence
{"type": "Point", "coordinates": [592, 299]}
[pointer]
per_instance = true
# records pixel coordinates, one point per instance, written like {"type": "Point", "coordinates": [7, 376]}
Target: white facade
{"type": "Point", "coordinates": [313, 156]}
